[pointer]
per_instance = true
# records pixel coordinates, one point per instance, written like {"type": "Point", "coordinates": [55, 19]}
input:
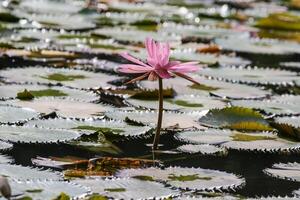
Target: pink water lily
{"type": "Point", "coordinates": [157, 67]}
{"type": "Point", "coordinates": [158, 64]}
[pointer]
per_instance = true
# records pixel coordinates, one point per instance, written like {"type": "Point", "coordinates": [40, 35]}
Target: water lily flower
{"type": "Point", "coordinates": [158, 64]}
{"type": "Point", "coordinates": [157, 67]}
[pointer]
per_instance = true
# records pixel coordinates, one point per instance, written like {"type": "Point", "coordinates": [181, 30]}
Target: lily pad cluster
{"type": "Point", "coordinates": [71, 129]}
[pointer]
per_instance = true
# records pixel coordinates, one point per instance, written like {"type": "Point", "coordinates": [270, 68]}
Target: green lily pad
{"type": "Point", "coordinates": [62, 77]}
{"type": "Point", "coordinates": [36, 135]}
{"type": "Point", "coordinates": [235, 118]}
{"type": "Point", "coordinates": [56, 190]}
{"type": "Point", "coordinates": [11, 114]}
{"type": "Point", "coordinates": [187, 178]}
{"type": "Point", "coordinates": [89, 126]}
{"type": "Point", "coordinates": [289, 171]}
{"type": "Point", "coordinates": [131, 188]}
{"type": "Point", "coordinates": [68, 77]}
{"type": "Point", "coordinates": [251, 75]}
{"type": "Point", "coordinates": [251, 141]}
{"type": "Point", "coordinates": [64, 107]}
{"type": "Point", "coordinates": [269, 106]}
{"type": "Point", "coordinates": [10, 91]}
{"type": "Point", "coordinates": [282, 21]}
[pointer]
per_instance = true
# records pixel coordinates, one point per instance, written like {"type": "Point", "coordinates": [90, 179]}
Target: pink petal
{"type": "Point", "coordinates": [133, 59]}
{"type": "Point", "coordinates": [134, 69]}
{"type": "Point", "coordinates": [152, 76]}
{"type": "Point", "coordinates": [185, 67]}
{"type": "Point", "coordinates": [149, 46]}
{"type": "Point", "coordinates": [171, 64]}
{"type": "Point", "coordinates": [165, 54]}
{"type": "Point", "coordinates": [162, 73]}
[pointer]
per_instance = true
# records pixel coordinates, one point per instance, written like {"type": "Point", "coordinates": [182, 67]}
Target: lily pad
{"type": "Point", "coordinates": [17, 172]}
{"type": "Point", "coordinates": [51, 7]}
{"type": "Point", "coordinates": [251, 75]}
{"type": "Point", "coordinates": [188, 178]}
{"type": "Point", "coordinates": [292, 121]}
{"type": "Point", "coordinates": [11, 91]}
{"type": "Point", "coordinates": [5, 146]}
{"type": "Point", "coordinates": [204, 149]}
{"type": "Point", "coordinates": [4, 159]}
{"type": "Point", "coordinates": [127, 188]}
{"type": "Point", "coordinates": [250, 141]}
{"type": "Point", "coordinates": [64, 107]}
{"type": "Point", "coordinates": [258, 46]}
{"type": "Point", "coordinates": [38, 189]}
{"type": "Point", "coordinates": [70, 22]}
{"type": "Point", "coordinates": [282, 21]}
{"type": "Point", "coordinates": [91, 125]}
{"type": "Point", "coordinates": [289, 171]}
{"type": "Point", "coordinates": [120, 34]}
{"type": "Point", "coordinates": [36, 135]}
{"type": "Point", "coordinates": [269, 106]}
{"type": "Point", "coordinates": [238, 118]}
{"type": "Point", "coordinates": [219, 88]}
{"type": "Point", "coordinates": [10, 114]}
{"type": "Point", "coordinates": [44, 75]}
{"type": "Point", "coordinates": [175, 120]}
{"type": "Point", "coordinates": [182, 103]}
{"type": "Point", "coordinates": [196, 31]}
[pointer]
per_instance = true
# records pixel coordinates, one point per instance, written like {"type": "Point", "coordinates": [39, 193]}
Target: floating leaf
{"type": "Point", "coordinates": [140, 36]}
{"type": "Point", "coordinates": [131, 188]}
{"type": "Point", "coordinates": [90, 126]}
{"type": "Point", "coordinates": [188, 178]}
{"type": "Point", "coordinates": [17, 172]}
{"type": "Point", "coordinates": [289, 171]}
{"type": "Point", "coordinates": [51, 7]}
{"type": "Point", "coordinates": [235, 118]}
{"type": "Point", "coordinates": [283, 21]}
{"type": "Point", "coordinates": [204, 149]}
{"type": "Point", "coordinates": [36, 135]}
{"type": "Point", "coordinates": [250, 141]}
{"type": "Point", "coordinates": [5, 146]}
{"type": "Point", "coordinates": [258, 46]}
{"type": "Point", "coordinates": [292, 121]}
{"type": "Point", "coordinates": [201, 32]}
{"type": "Point", "coordinates": [38, 189]}
{"type": "Point", "coordinates": [11, 91]}
{"type": "Point", "coordinates": [219, 88]}
{"type": "Point", "coordinates": [175, 120]}
{"type": "Point", "coordinates": [269, 106]}
{"type": "Point", "coordinates": [4, 159]}
{"type": "Point", "coordinates": [64, 107]}
{"type": "Point", "coordinates": [11, 114]}
{"type": "Point", "coordinates": [36, 74]}
{"type": "Point", "coordinates": [182, 103]}
{"type": "Point", "coordinates": [251, 75]}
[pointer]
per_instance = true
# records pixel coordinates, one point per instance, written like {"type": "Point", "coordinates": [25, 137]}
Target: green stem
{"type": "Point", "coordinates": [160, 114]}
